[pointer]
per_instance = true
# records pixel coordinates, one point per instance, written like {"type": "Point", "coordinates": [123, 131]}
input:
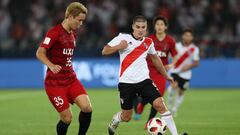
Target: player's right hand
{"type": "Point", "coordinates": [55, 68]}
{"type": "Point", "coordinates": [123, 44]}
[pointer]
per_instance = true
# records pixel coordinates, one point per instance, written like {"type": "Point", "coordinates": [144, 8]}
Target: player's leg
{"type": "Point", "coordinates": [85, 114]}
{"type": "Point", "coordinates": [149, 92]}
{"type": "Point", "coordinates": [122, 116]}
{"type": "Point", "coordinates": [127, 95]}
{"type": "Point", "coordinates": [79, 96]}
{"type": "Point", "coordinates": [166, 115]}
{"type": "Point", "coordinates": [64, 122]}
{"type": "Point", "coordinates": [172, 89]}
{"type": "Point", "coordinates": [136, 102]}
{"type": "Point", "coordinates": [139, 107]}
{"type": "Point", "coordinates": [58, 98]}
{"type": "Point", "coordinates": [160, 83]}
{"type": "Point", "coordinates": [183, 85]}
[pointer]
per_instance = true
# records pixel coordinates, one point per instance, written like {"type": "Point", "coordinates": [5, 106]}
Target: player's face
{"type": "Point", "coordinates": [139, 29]}
{"type": "Point", "coordinates": [76, 22]}
{"type": "Point", "coordinates": [160, 27]}
{"type": "Point", "coordinates": [187, 37]}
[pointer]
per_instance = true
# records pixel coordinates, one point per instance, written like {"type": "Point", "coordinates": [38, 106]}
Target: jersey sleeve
{"type": "Point", "coordinates": [152, 49]}
{"type": "Point", "coordinates": [196, 56]}
{"type": "Point", "coordinates": [116, 40]}
{"type": "Point", "coordinates": [173, 50]}
{"type": "Point", "coordinates": [49, 39]}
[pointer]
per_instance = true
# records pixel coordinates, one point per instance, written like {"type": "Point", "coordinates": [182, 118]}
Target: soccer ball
{"type": "Point", "coordinates": [156, 126]}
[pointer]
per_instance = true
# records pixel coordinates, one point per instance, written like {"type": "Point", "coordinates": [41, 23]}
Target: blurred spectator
{"type": "Point", "coordinates": [216, 23]}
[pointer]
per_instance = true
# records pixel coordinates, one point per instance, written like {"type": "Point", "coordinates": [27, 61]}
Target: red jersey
{"type": "Point", "coordinates": [163, 48]}
{"type": "Point", "coordinates": [60, 46]}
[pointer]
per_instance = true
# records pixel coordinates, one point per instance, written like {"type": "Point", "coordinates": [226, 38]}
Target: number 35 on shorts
{"type": "Point", "coordinates": [58, 101]}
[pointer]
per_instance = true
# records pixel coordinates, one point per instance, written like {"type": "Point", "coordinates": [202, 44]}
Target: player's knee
{"type": "Point", "coordinates": [86, 108]}
{"type": "Point", "coordinates": [66, 118]}
{"type": "Point", "coordinates": [158, 104]}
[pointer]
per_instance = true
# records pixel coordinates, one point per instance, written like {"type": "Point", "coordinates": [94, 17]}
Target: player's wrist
{"type": "Point", "coordinates": [50, 65]}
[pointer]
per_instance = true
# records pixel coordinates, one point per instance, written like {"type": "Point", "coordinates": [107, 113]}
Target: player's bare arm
{"type": "Point", "coordinates": [107, 50]}
{"type": "Point", "coordinates": [159, 66]}
{"type": "Point", "coordinates": [41, 54]}
{"type": "Point", "coordinates": [190, 66]}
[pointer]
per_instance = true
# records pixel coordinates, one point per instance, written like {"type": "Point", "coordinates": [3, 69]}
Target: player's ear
{"type": "Point", "coordinates": [70, 17]}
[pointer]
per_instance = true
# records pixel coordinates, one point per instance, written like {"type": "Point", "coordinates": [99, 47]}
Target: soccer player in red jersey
{"type": "Point", "coordinates": [164, 45]}
{"type": "Point", "coordinates": [61, 83]}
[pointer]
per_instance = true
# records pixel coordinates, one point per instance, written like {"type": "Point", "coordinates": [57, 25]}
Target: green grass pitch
{"type": "Point", "coordinates": [203, 112]}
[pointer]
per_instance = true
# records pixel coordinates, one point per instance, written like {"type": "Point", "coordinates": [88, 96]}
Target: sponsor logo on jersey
{"type": "Point", "coordinates": [68, 51]}
{"type": "Point", "coordinates": [161, 54]}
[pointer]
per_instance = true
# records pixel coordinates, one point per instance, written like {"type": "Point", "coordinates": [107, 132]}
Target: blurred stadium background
{"type": "Point", "coordinates": [211, 106]}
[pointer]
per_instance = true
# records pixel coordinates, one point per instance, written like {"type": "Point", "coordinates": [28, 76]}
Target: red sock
{"type": "Point", "coordinates": [140, 108]}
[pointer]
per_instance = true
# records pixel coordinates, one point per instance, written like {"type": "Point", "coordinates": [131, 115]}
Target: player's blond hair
{"type": "Point", "coordinates": [74, 9]}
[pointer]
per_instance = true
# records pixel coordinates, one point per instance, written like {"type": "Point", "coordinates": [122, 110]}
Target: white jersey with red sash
{"type": "Point", "coordinates": [185, 56]}
{"type": "Point", "coordinates": [133, 64]}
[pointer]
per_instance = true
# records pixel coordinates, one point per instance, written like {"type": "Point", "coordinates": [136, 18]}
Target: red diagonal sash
{"type": "Point", "coordinates": [131, 57]}
{"type": "Point", "coordinates": [184, 57]}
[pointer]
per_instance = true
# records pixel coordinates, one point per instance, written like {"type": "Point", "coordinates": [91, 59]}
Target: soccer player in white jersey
{"type": "Point", "coordinates": [187, 58]}
{"type": "Point", "coordinates": [134, 74]}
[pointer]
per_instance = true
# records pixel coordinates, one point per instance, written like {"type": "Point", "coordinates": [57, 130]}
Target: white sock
{"type": "Point", "coordinates": [179, 100]}
{"type": "Point", "coordinates": [171, 92]}
{"type": "Point", "coordinates": [167, 117]}
{"type": "Point", "coordinates": [117, 118]}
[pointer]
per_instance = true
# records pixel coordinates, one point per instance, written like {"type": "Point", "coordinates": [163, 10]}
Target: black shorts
{"type": "Point", "coordinates": [183, 84]}
{"type": "Point", "coordinates": [128, 93]}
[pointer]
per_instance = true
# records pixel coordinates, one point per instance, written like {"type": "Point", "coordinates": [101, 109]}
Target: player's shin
{"type": "Point", "coordinates": [178, 102]}
{"type": "Point", "coordinates": [167, 117]}
{"type": "Point", "coordinates": [171, 92]}
{"type": "Point", "coordinates": [62, 128]}
{"type": "Point", "coordinates": [84, 122]}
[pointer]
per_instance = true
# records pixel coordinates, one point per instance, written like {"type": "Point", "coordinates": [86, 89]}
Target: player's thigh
{"type": "Point", "coordinates": [127, 95]}
{"type": "Point", "coordinates": [83, 102]}
{"type": "Point", "coordinates": [127, 115]}
{"type": "Point", "coordinates": [149, 92]}
{"type": "Point", "coordinates": [57, 96]}
{"type": "Point", "coordinates": [78, 95]}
